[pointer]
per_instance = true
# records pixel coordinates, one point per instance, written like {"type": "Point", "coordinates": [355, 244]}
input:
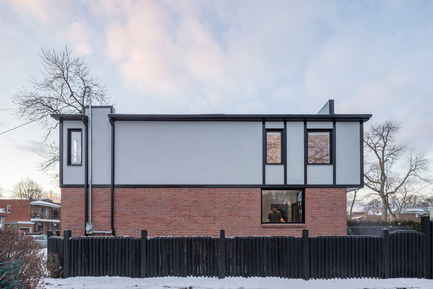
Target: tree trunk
{"type": "Point", "coordinates": [384, 208]}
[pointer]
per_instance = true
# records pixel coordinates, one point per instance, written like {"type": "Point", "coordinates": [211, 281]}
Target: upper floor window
{"type": "Point", "coordinates": [74, 146]}
{"type": "Point", "coordinates": [274, 147]}
{"type": "Point", "coordinates": [319, 147]}
{"type": "Point", "coordinates": [8, 208]}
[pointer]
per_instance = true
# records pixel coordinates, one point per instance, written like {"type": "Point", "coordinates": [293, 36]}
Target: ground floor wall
{"type": "Point", "coordinates": [199, 212]}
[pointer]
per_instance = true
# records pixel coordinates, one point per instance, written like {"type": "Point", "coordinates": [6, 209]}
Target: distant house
{"type": "Point", "coordinates": [2, 217]}
{"type": "Point", "coordinates": [193, 175]}
{"type": "Point", "coordinates": [31, 215]}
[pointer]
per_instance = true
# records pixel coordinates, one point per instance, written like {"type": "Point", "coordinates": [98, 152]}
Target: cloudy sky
{"type": "Point", "coordinates": [224, 57]}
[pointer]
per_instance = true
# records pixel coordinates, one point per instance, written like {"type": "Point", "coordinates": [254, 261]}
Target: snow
{"type": "Point", "coordinates": [235, 282]}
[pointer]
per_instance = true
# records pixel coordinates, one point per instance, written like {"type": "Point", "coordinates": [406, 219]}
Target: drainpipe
{"type": "Point", "coordinates": [89, 224]}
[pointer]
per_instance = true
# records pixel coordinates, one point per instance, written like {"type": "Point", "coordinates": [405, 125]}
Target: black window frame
{"type": "Point", "coordinates": [282, 149]}
{"type": "Point", "coordinates": [70, 131]}
{"type": "Point", "coordinates": [331, 144]}
{"type": "Point", "coordinates": [283, 189]}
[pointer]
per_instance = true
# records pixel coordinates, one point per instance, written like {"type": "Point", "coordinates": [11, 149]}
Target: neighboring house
{"type": "Point", "coordinates": [193, 175]}
{"type": "Point", "coordinates": [2, 217]}
{"type": "Point", "coordinates": [31, 216]}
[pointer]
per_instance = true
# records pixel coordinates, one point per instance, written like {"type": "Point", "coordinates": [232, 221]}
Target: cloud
{"type": "Point", "coordinates": [43, 11]}
{"type": "Point", "coordinates": [79, 33]}
{"type": "Point", "coordinates": [205, 57]}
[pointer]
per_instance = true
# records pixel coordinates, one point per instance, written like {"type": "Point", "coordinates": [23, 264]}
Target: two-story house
{"type": "Point", "coordinates": [193, 175]}
{"type": "Point", "coordinates": [31, 215]}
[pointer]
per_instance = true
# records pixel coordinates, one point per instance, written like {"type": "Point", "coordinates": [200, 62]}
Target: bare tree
{"type": "Point", "coordinates": [52, 196]}
{"type": "Point", "coordinates": [373, 207]}
{"type": "Point", "coordinates": [61, 89]}
{"type": "Point", "coordinates": [389, 166]}
{"type": "Point", "coordinates": [27, 189]}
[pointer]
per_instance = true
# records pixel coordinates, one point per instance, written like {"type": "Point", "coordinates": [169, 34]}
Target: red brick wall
{"type": "Point", "coordinates": [20, 210]}
{"type": "Point", "coordinates": [199, 212]}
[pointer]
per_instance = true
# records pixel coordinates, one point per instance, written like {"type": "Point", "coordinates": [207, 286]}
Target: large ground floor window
{"type": "Point", "coordinates": [282, 206]}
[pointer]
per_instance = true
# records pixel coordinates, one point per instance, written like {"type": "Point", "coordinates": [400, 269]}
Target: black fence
{"type": "Point", "coordinates": [393, 255]}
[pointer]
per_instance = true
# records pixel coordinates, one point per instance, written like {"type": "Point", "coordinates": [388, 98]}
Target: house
{"type": "Point", "coordinates": [193, 175]}
{"type": "Point", "coordinates": [31, 215]}
{"type": "Point", "coordinates": [2, 217]}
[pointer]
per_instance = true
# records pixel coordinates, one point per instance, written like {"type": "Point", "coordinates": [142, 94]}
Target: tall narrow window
{"type": "Point", "coordinates": [8, 208]}
{"type": "Point", "coordinates": [74, 147]}
{"type": "Point", "coordinates": [319, 147]}
{"type": "Point", "coordinates": [273, 147]}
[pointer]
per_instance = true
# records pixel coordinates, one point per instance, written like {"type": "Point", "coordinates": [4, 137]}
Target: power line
{"type": "Point", "coordinates": [17, 127]}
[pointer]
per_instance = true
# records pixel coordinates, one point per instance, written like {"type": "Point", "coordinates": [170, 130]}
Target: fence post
{"type": "Point", "coordinates": [306, 254]}
{"type": "Point", "coordinates": [222, 255]}
{"type": "Point", "coordinates": [49, 244]}
{"type": "Point", "coordinates": [143, 254]}
{"type": "Point", "coordinates": [66, 254]}
{"type": "Point", "coordinates": [385, 252]}
{"type": "Point", "coordinates": [426, 229]}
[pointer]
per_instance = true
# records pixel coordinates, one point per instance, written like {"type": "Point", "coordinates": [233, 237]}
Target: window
{"type": "Point", "coordinates": [273, 147]}
{"type": "Point", "coordinates": [74, 147]}
{"type": "Point", "coordinates": [319, 147]}
{"type": "Point", "coordinates": [282, 206]}
{"type": "Point", "coordinates": [8, 208]}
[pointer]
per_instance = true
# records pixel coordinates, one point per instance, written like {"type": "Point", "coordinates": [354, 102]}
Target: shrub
{"type": "Point", "coordinates": [21, 261]}
{"type": "Point", "coordinates": [53, 265]}
{"type": "Point", "coordinates": [415, 225]}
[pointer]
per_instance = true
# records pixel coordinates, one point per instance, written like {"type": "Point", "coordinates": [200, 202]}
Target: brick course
{"type": "Point", "coordinates": [199, 212]}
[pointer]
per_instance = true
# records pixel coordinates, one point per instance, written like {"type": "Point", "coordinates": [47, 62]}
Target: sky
{"type": "Point", "coordinates": [373, 57]}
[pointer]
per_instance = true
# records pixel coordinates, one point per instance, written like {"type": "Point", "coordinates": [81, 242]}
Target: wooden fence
{"type": "Point", "coordinates": [394, 255]}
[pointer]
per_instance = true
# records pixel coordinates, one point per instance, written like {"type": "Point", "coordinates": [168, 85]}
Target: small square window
{"type": "Point", "coordinates": [273, 147]}
{"type": "Point", "coordinates": [319, 147]}
{"type": "Point", "coordinates": [74, 146]}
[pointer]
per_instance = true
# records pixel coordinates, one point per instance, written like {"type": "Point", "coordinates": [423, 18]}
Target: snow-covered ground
{"type": "Point", "coordinates": [244, 283]}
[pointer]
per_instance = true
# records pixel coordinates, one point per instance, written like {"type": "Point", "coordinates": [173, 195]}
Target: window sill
{"type": "Point", "coordinates": [284, 225]}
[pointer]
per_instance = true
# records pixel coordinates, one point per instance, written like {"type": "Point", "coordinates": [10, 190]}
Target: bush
{"type": "Point", "coordinates": [53, 265]}
{"type": "Point", "coordinates": [21, 261]}
{"type": "Point", "coordinates": [415, 225]}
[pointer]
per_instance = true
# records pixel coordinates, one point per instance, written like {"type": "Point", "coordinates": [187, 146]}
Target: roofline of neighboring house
{"type": "Point", "coordinates": [44, 204]}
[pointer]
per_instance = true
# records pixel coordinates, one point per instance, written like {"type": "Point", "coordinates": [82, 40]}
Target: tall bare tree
{"type": "Point", "coordinates": [27, 189]}
{"type": "Point", "coordinates": [61, 89]}
{"type": "Point", "coordinates": [389, 166]}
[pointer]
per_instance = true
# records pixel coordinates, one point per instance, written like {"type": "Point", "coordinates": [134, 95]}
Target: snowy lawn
{"type": "Point", "coordinates": [244, 283]}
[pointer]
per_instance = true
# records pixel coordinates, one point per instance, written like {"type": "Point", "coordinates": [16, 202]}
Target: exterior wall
{"type": "Point", "coordinates": [348, 158]}
{"type": "Point", "coordinates": [199, 212]}
{"type": "Point", "coordinates": [72, 217]}
{"type": "Point", "coordinates": [20, 210]}
{"type": "Point", "coordinates": [216, 153]}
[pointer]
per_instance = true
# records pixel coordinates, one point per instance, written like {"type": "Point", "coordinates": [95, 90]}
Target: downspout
{"type": "Point", "coordinates": [89, 224]}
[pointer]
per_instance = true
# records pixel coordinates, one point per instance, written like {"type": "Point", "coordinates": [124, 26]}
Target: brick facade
{"type": "Point", "coordinates": [20, 210]}
{"type": "Point", "coordinates": [199, 212]}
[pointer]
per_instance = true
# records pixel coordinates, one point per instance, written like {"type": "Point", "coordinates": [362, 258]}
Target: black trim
{"type": "Point", "coordinates": [263, 153]}
{"type": "Point", "coordinates": [305, 152]}
{"type": "Point", "coordinates": [185, 186]}
{"type": "Point", "coordinates": [69, 160]}
{"type": "Point", "coordinates": [334, 152]}
{"type": "Point", "coordinates": [235, 117]}
{"type": "Point", "coordinates": [61, 153]}
{"type": "Point", "coordinates": [284, 152]}
{"type": "Point", "coordinates": [331, 144]}
{"type": "Point", "coordinates": [361, 149]}
{"type": "Point", "coordinates": [113, 131]}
